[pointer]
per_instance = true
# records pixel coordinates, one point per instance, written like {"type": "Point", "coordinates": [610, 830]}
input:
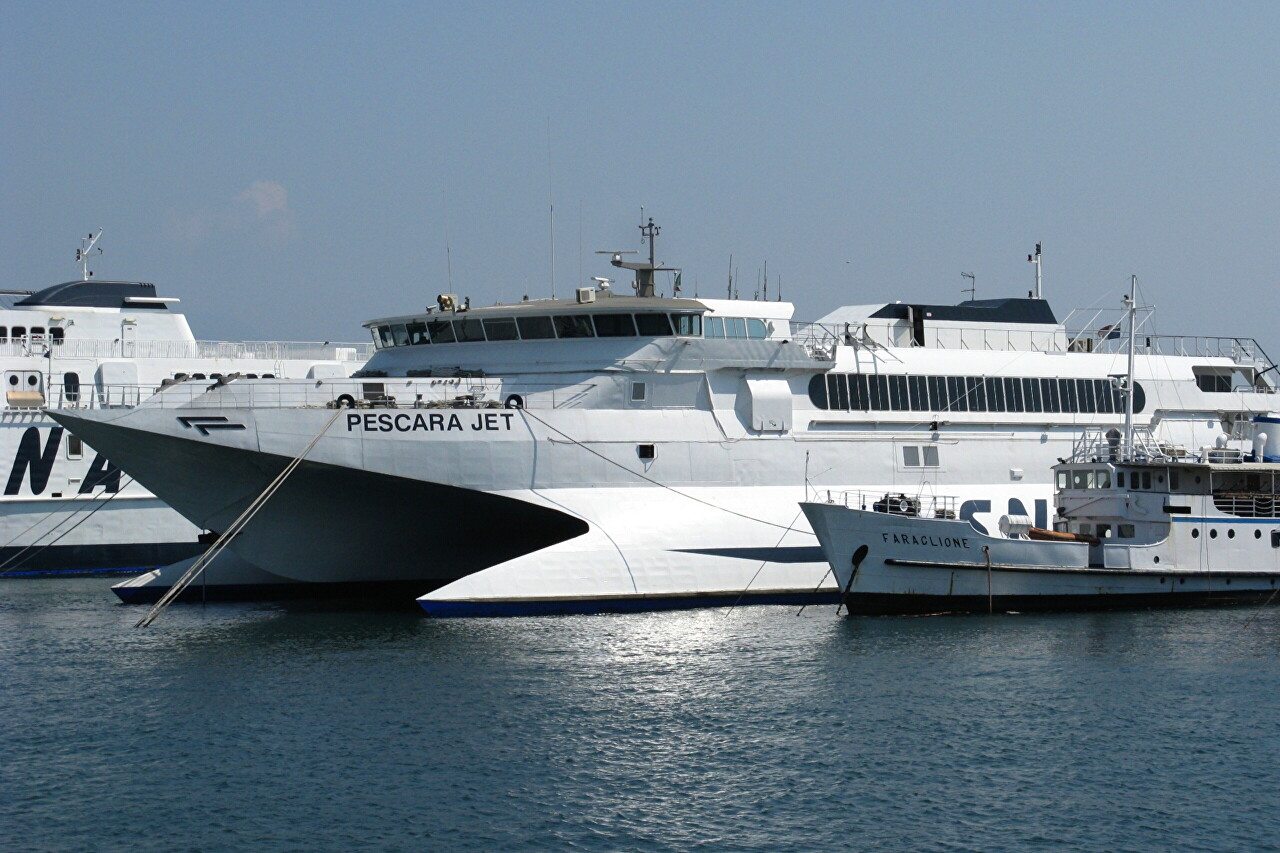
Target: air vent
{"type": "Point", "coordinates": [586, 294]}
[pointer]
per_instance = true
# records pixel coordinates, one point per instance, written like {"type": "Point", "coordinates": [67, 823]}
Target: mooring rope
{"type": "Point", "coordinates": [94, 502]}
{"type": "Point", "coordinates": [232, 530]}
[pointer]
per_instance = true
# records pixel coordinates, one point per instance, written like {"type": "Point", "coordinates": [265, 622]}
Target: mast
{"type": "Point", "coordinates": [87, 251]}
{"type": "Point", "coordinates": [1035, 259]}
{"type": "Point", "coordinates": [1130, 304]}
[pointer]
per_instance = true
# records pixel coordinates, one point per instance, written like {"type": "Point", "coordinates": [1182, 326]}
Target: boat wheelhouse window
{"type": "Point", "coordinates": [573, 326]}
{"type": "Point", "coordinates": [400, 334]}
{"type": "Point", "coordinates": [500, 329]}
{"type": "Point", "coordinates": [715, 327]}
{"type": "Point", "coordinates": [1104, 531]}
{"type": "Point", "coordinates": [1146, 479]}
{"type": "Point", "coordinates": [417, 334]}
{"type": "Point", "coordinates": [441, 332]}
{"type": "Point", "coordinates": [657, 325]}
{"type": "Point", "coordinates": [469, 330]}
{"type": "Point", "coordinates": [536, 328]}
{"type": "Point", "coordinates": [735, 327]}
{"type": "Point", "coordinates": [688, 325]}
{"type": "Point", "coordinates": [382, 337]}
{"type": "Point", "coordinates": [757, 330]}
{"type": "Point", "coordinates": [1064, 479]}
{"type": "Point", "coordinates": [615, 326]}
{"type": "Point", "coordinates": [1212, 379]}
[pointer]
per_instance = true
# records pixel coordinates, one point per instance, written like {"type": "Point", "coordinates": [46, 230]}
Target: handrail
{"type": "Point", "coordinates": [261, 350]}
{"type": "Point", "coordinates": [919, 505]}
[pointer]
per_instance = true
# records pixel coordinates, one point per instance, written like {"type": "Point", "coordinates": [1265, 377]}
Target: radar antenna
{"type": "Point", "coordinates": [88, 249]}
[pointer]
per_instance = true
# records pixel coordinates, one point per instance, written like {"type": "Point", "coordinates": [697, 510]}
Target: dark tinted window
{"type": "Point", "coordinates": [688, 324]}
{"type": "Point", "coordinates": [500, 329]}
{"type": "Point", "coordinates": [441, 332]}
{"type": "Point", "coordinates": [573, 326]}
{"type": "Point", "coordinates": [615, 325]}
{"type": "Point", "coordinates": [653, 324]}
{"type": "Point", "coordinates": [417, 334]}
{"type": "Point", "coordinates": [535, 328]}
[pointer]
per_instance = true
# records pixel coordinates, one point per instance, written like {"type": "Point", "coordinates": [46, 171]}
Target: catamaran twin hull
{"type": "Point", "coordinates": [515, 510]}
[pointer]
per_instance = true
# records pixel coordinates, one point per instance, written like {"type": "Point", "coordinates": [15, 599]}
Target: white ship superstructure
{"type": "Point", "coordinates": [91, 345]}
{"type": "Point", "coordinates": [633, 451]}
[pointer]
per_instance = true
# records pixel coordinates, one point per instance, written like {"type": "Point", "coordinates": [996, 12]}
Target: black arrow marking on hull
{"type": "Point", "coordinates": [204, 423]}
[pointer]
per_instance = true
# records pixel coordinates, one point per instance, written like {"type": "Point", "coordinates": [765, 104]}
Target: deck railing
{"type": "Point", "coordinates": [919, 505]}
{"type": "Point", "coordinates": [257, 350]}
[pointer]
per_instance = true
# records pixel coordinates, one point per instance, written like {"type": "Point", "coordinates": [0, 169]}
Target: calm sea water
{"type": "Point", "coordinates": [257, 727]}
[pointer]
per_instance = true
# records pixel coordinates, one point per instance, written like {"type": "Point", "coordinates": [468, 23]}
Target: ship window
{"type": "Point", "coordinates": [1231, 533]}
{"type": "Point", "coordinates": [251, 376]}
{"type": "Point", "coordinates": [859, 396]}
{"type": "Point", "coordinates": [1195, 534]}
{"type": "Point", "coordinates": [4, 333]}
{"type": "Point", "coordinates": [1174, 480]}
{"type": "Point", "coordinates": [1104, 531]}
{"type": "Point", "coordinates": [911, 456]}
{"type": "Point", "coordinates": [441, 331]}
{"type": "Point", "coordinates": [1213, 380]}
{"type": "Point", "coordinates": [268, 376]}
{"type": "Point", "coordinates": [715, 327]}
{"type": "Point", "coordinates": [930, 456]}
{"type": "Point", "coordinates": [1063, 479]}
{"type": "Point", "coordinates": [639, 391]}
{"type": "Point", "coordinates": [1146, 479]}
{"type": "Point", "coordinates": [689, 325]}
{"type": "Point", "coordinates": [1119, 479]}
{"type": "Point", "coordinates": [615, 326]}
{"type": "Point", "coordinates": [879, 392]}
{"type": "Point", "coordinates": [469, 330]}
{"type": "Point", "coordinates": [1081, 479]}
{"type": "Point", "coordinates": [756, 330]}
{"type": "Point", "coordinates": [1067, 394]}
{"type": "Point", "coordinates": [57, 333]}
{"type": "Point", "coordinates": [400, 335]}
{"type": "Point", "coordinates": [198, 376]}
{"type": "Point", "coordinates": [1031, 395]}
{"type": "Point", "coordinates": [573, 326]}
{"type": "Point", "coordinates": [75, 447]}
{"type": "Point", "coordinates": [534, 328]}
{"type": "Point", "coordinates": [977, 394]}
{"type": "Point", "coordinates": [1213, 534]}
{"type": "Point", "coordinates": [37, 332]}
{"type": "Point", "coordinates": [818, 392]}
{"type": "Point", "coordinates": [645, 451]}
{"type": "Point", "coordinates": [658, 325]}
{"type": "Point", "coordinates": [898, 393]}
{"type": "Point", "coordinates": [1126, 531]}
{"type": "Point", "coordinates": [1049, 390]}
{"type": "Point", "coordinates": [215, 375]}
{"type": "Point", "coordinates": [417, 334]}
{"type": "Point", "coordinates": [19, 332]}
{"type": "Point", "coordinates": [919, 392]}
{"type": "Point", "coordinates": [1086, 529]}
{"type": "Point", "coordinates": [937, 394]}
{"type": "Point", "coordinates": [735, 327]}
{"type": "Point", "coordinates": [382, 337]}
{"type": "Point", "coordinates": [1013, 395]}
{"type": "Point", "coordinates": [500, 329]}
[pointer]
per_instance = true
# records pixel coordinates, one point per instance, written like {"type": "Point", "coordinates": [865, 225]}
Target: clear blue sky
{"type": "Point", "coordinates": [292, 169]}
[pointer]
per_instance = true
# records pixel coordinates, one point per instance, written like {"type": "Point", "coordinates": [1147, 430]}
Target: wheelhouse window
{"type": "Point", "coordinates": [417, 333]}
{"type": "Point", "coordinates": [653, 325]}
{"type": "Point", "coordinates": [615, 326]}
{"type": "Point", "coordinates": [573, 326]}
{"type": "Point", "coordinates": [535, 328]}
{"type": "Point", "coordinates": [688, 325]}
{"type": "Point", "coordinates": [441, 331]}
{"type": "Point", "coordinates": [500, 329]}
{"type": "Point", "coordinates": [400, 335]}
{"type": "Point", "coordinates": [382, 337]}
{"type": "Point", "coordinates": [468, 330]}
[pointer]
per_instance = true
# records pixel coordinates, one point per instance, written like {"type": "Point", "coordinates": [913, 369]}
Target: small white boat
{"type": "Point", "coordinates": [1138, 523]}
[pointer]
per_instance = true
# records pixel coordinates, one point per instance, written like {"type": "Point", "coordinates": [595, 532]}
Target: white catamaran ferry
{"type": "Point", "coordinates": [94, 345]}
{"type": "Point", "coordinates": [626, 450]}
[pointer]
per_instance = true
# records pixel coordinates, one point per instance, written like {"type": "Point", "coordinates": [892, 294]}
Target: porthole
{"type": "Point", "coordinates": [1213, 534]}
{"type": "Point", "coordinates": [1195, 534]}
{"type": "Point", "coordinates": [1257, 534]}
{"type": "Point", "coordinates": [13, 380]}
{"type": "Point", "coordinates": [1182, 580]}
{"type": "Point", "coordinates": [1231, 534]}
{"type": "Point", "coordinates": [1157, 560]}
{"type": "Point", "coordinates": [645, 451]}
{"type": "Point", "coordinates": [31, 380]}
